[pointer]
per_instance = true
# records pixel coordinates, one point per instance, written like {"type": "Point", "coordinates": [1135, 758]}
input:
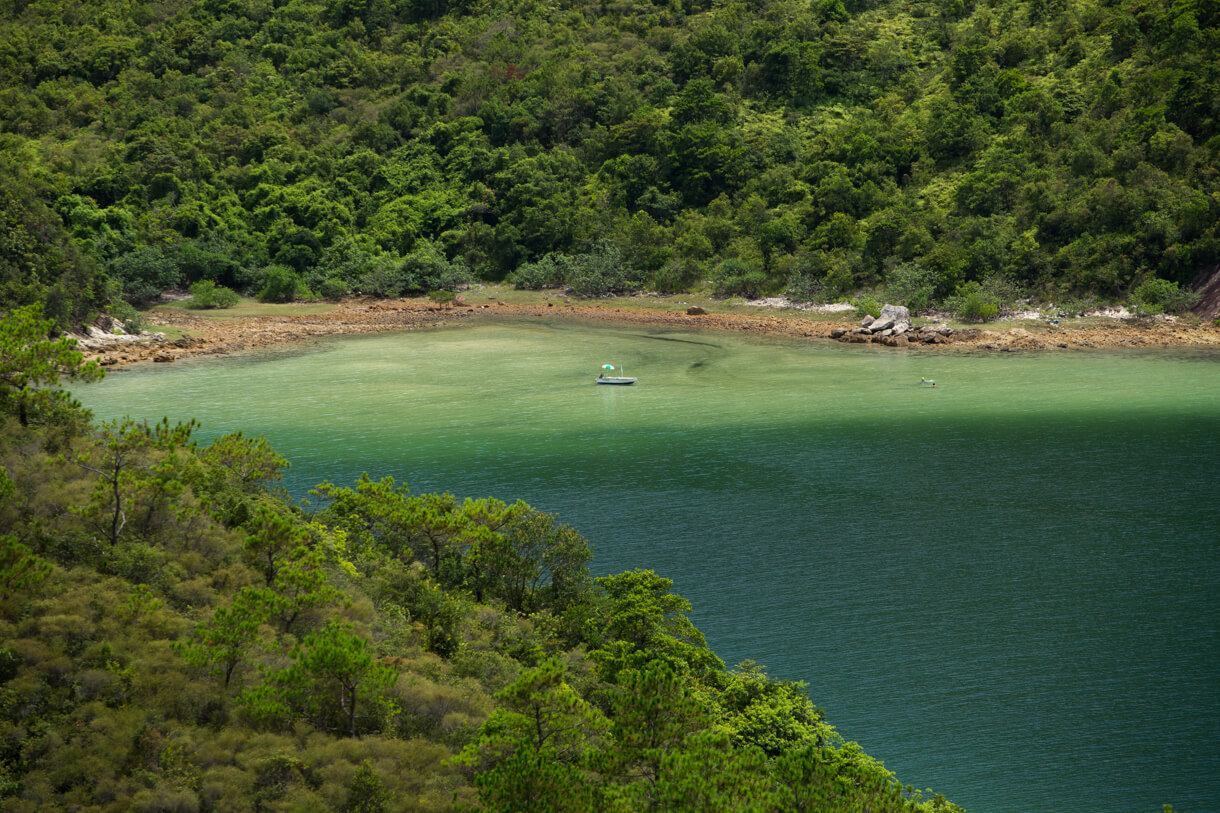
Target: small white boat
{"type": "Point", "coordinates": [614, 379]}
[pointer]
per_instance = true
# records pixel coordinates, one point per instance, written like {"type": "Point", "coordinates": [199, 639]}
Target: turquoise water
{"type": "Point", "coordinates": [1004, 587]}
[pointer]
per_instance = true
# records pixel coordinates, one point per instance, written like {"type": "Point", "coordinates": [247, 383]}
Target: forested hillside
{"type": "Point", "coordinates": [1054, 148]}
{"type": "Point", "coordinates": [178, 636]}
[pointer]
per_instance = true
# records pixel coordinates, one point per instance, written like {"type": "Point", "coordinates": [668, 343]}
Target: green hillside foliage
{"type": "Point", "coordinates": [1063, 148]}
{"type": "Point", "coordinates": [178, 635]}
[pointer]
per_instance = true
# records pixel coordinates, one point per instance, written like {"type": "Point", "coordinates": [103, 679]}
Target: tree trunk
{"type": "Point", "coordinates": [119, 519]}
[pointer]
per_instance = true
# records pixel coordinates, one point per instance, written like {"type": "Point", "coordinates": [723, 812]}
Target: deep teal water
{"type": "Point", "coordinates": [1006, 587]}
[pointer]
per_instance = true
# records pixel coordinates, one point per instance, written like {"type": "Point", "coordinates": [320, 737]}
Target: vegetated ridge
{"type": "Point", "coordinates": [958, 154]}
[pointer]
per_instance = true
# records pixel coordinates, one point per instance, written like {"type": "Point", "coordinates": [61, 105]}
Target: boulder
{"type": "Point", "coordinates": [867, 321]}
{"type": "Point", "coordinates": [881, 324]}
{"type": "Point", "coordinates": [897, 314]}
{"type": "Point", "coordinates": [695, 310]}
{"type": "Point", "coordinates": [838, 332]}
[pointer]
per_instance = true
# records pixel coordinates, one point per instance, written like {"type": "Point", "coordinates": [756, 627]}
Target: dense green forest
{"type": "Point", "coordinates": [923, 149]}
{"type": "Point", "coordinates": [177, 635]}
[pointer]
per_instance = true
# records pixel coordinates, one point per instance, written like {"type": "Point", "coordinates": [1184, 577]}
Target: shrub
{"type": "Point", "coordinates": [975, 308]}
{"type": "Point", "coordinates": [601, 271]}
{"type": "Point", "coordinates": [867, 306]}
{"type": "Point", "coordinates": [1161, 296]}
{"type": "Point", "coordinates": [144, 273]}
{"type": "Point", "coordinates": [735, 276]}
{"type": "Point", "coordinates": [455, 276]}
{"type": "Point", "coordinates": [132, 321]}
{"type": "Point", "coordinates": [333, 288]}
{"type": "Point", "coordinates": [549, 272]}
{"type": "Point", "coordinates": [679, 274]}
{"type": "Point", "coordinates": [207, 294]}
{"type": "Point", "coordinates": [383, 279]}
{"type": "Point", "coordinates": [913, 285]}
{"type": "Point", "coordinates": [972, 303]}
{"type": "Point", "coordinates": [823, 276]}
{"type": "Point", "coordinates": [428, 269]}
{"type": "Point", "coordinates": [282, 284]}
{"type": "Point", "coordinates": [1078, 306]}
{"type": "Point", "coordinates": [344, 264]}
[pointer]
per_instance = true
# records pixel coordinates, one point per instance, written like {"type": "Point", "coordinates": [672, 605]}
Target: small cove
{"type": "Point", "coordinates": [1003, 587]}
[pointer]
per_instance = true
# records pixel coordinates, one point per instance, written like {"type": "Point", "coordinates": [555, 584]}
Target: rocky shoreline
{"type": "Point", "coordinates": [223, 334]}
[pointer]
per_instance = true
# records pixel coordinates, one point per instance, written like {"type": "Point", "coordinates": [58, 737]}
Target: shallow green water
{"type": "Point", "coordinates": [1005, 587]}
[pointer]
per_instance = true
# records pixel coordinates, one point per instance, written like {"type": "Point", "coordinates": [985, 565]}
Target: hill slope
{"type": "Point", "coordinates": [1063, 148]}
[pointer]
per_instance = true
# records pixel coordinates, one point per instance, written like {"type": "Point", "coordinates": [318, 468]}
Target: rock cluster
{"type": "Point", "coordinates": [109, 344]}
{"type": "Point", "coordinates": [111, 336]}
{"type": "Point", "coordinates": [893, 328]}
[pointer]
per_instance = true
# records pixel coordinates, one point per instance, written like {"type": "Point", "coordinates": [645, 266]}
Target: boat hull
{"type": "Point", "coordinates": [616, 379]}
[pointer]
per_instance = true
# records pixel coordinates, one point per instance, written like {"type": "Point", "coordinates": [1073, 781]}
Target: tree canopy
{"type": "Point", "coordinates": [1048, 149]}
{"type": "Point", "coordinates": [32, 365]}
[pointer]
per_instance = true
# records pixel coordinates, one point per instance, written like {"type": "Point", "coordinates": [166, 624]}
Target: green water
{"type": "Point", "coordinates": [1004, 587]}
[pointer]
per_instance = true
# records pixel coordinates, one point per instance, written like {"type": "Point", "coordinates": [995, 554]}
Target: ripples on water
{"type": "Point", "coordinates": [1005, 587]}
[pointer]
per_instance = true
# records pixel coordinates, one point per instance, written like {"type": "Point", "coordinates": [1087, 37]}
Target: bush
{"type": "Point", "coordinates": [601, 271]}
{"type": "Point", "coordinates": [912, 285]}
{"type": "Point", "coordinates": [1161, 296]}
{"type": "Point", "coordinates": [823, 276]}
{"type": "Point", "coordinates": [133, 323]}
{"type": "Point", "coordinates": [972, 303]}
{"type": "Point", "coordinates": [383, 279]}
{"type": "Point", "coordinates": [333, 288]}
{"type": "Point", "coordinates": [206, 260]}
{"type": "Point", "coordinates": [144, 274]}
{"type": "Point", "coordinates": [1078, 306]}
{"type": "Point", "coordinates": [679, 274]}
{"type": "Point", "coordinates": [867, 306]}
{"type": "Point", "coordinates": [455, 276]}
{"type": "Point", "coordinates": [428, 269]}
{"type": "Point", "coordinates": [207, 294]}
{"type": "Point", "coordinates": [282, 284]}
{"type": "Point", "coordinates": [549, 272]}
{"type": "Point", "coordinates": [343, 266]}
{"type": "Point", "coordinates": [738, 277]}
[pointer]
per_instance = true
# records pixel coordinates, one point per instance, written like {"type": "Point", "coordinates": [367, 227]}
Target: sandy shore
{"type": "Point", "coordinates": [221, 334]}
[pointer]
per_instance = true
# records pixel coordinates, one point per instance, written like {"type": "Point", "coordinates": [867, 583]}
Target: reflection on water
{"type": "Point", "coordinates": [1004, 586]}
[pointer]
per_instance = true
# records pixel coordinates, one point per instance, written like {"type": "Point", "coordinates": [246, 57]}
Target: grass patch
{"type": "Point", "coordinates": [171, 332]}
{"type": "Point", "coordinates": [249, 307]}
{"type": "Point", "coordinates": [668, 303]}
